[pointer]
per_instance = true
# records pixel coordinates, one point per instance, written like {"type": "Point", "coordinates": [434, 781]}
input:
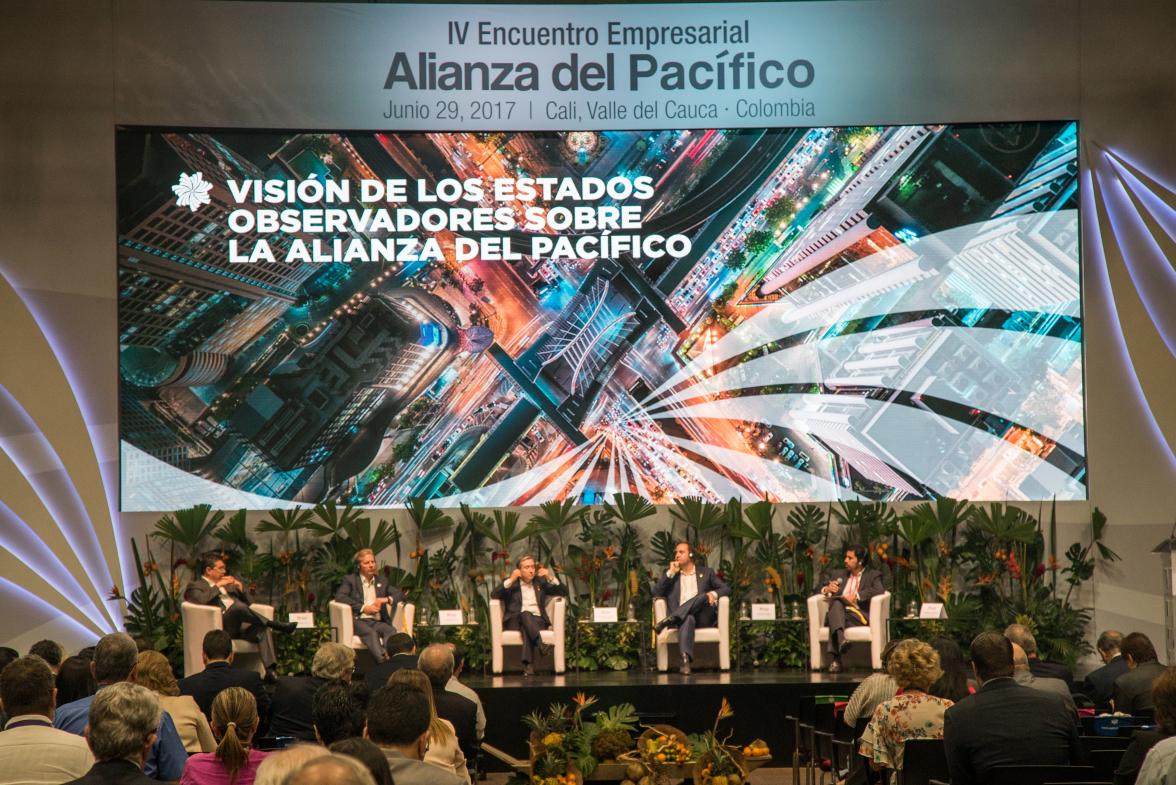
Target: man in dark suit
{"type": "Point", "coordinates": [1005, 724]}
{"type": "Point", "coordinates": [216, 587]}
{"type": "Point", "coordinates": [402, 653]}
{"type": "Point", "coordinates": [1133, 690]}
{"type": "Point", "coordinates": [1099, 684]}
{"type": "Point", "coordinates": [292, 713]}
{"type": "Point", "coordinates": [1023, 637]}
{"type": "Point", "coordinates": [218, 673]}
{"type": "Point", "coordinates": [849, 592]}
{"type": "Point", "coordinates": [692, 595]}
{"type": "Point", "coordinates": [524, 596]}
{"type": "Point", "coordinates": [436, 662]}
{"type": "Point", "coordinates": [373, 603]}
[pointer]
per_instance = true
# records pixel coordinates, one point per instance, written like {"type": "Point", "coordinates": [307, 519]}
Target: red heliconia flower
{"type": "Point", "coordinates": [722, 574]}
{"type": "Point", "coordinates": [310, 597]}
{"type": "Point", "coordinates": [800, 577]}
{"type": "Point", "coordinates": [1039, 571]}
{"type": "Point", "coordinates": [606, 596]}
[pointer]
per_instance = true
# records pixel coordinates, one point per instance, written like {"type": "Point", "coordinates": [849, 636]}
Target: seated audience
{"type": "Point", "coordinates": [51, 652]}
{"type": "Point", "coordinates": [331, 769]}
{"type": "Point", "coordinates": [913, 714]}
{"type": "Point", "coordinates": [339, 711]}
{"type": "Point", "coordinates": [122, 722]}
{"type": "Point", "coordinates": [953, 684]}
{"type": "Point", "coordinates": [367, 753]}
{"type": "Point", "coordinates": [443, 749]}
{"type": "Point", "coordinates": [1023, 637]}
{"type": "Point", "coordinates": [454, 685]}
{"type": "Point", "coordinates": [218, 673]}
{"type": "Point", "coordinates": [1099, 684]}
{"type": "Point", "coordinates": [280, 764]}
{"type": "Point", "coordinates": [402, 653]}
{"type": "Point", "coordinates": [7, 655]}
{"type": "Point", "coordinates": [114, 662]}
{"type": "Point", "coordinates": [398, 722]}
{"type": "Point", "coordinates": [290, 713]}
{"type": "Point", "coordinates": [234, 721]}
{"type": "Point", "coordinates": [153, 671]}
{"type": "Point", "coordinates": [874, 689]}
{"type": "Point", "coordinates": [75, 680]}
{"type": "Point", "coordinates": [32, 751]}
{"type": "Point", "coordinates": [1164, 698]}
{"type": "Point", "coordinates": [1005, 724]}
{"type": "Point", "coordinates": [436, 662]}
{"type": "Point", "coordinates": [1023, 676]}
{"type": "Point", "coordinates": [1133, 690]}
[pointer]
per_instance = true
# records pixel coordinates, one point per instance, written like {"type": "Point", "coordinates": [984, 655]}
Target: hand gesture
{"type": "Point", "coordinates": [543, 572]}
{"type": "Point", "coordinates": [514, 576]}
{"type": "Point", "coordinates": [850, 598]}
{"type": "Point", "coordinates": [372, 608]}
{"type": "Point", "coordinates": [712, 597]}
{"type": "Point", "coordinates": [831, 587]}
{"type": "Point", "coordinates": [674, 567]}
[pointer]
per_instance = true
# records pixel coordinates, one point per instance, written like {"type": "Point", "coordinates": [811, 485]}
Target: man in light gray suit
{"type": "Point", "coordinates": [1023, 676]}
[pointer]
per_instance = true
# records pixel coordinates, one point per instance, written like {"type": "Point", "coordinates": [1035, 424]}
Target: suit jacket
{"type": "Point", "coordinates": [463, 713]}
{"type": "Point", "coordinates": [406, 771]}
{"type": "Point", "coordinates": [200, 593]}
{"type": "Point", "coordinates": [1099, 684]}
{"type": "Point", "coordinates": [351, 592]}
{"type": "Point", "coordinates": [114, 772]}
{"type": "Point", "coordinates": [1005, 724]}
{"type": "Point", "coordinates": [1051, 670]}
{"type": "Point", "coordinates": [1046, 684]}
{"type": "Point", "coordinates": [1133, 690]}
{"type": "Point", "coordinates": [378, 676]}
{"type": "Point", "coordinates": [290, 712]}
{"type": "Point", "coordinates": [670, 588]}
{"type": "Point", "coordinates": [869, 586]}
{"type": "Point", "coordinates": [205, 685]}
{"type": "Point", "coordinates": [512, 598]}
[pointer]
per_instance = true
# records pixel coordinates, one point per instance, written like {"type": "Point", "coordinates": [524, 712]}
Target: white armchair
{"type": "Point", "coordinates": [199, 620]}
{"type": "Point", "coordinates": [343, 620]}
{"type": "Point", "coordinates": [876, 634]}
{"type": "Point", "coordinates": [557, 611]}
{"type": "Point", "coordinates": [720, 634]}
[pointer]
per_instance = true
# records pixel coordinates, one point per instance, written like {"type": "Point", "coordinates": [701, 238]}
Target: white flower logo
{"type": "Point", "coordinates": [192, 191]}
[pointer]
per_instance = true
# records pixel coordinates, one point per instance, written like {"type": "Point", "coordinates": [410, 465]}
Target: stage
{"type": "Point", "coordinates": [760, 699]}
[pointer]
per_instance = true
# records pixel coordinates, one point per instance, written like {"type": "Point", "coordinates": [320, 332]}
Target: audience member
{"type": "Point", "coordinates": [873, 690]}
{"type": "Point", "coordinates": [953, 684]}
{"type": "Point", "coordinates": [402, 653]}
{"type": "Point", "coordinates": [50, 651]}
{"type": "Point", "coordinates": [339, 711]}
{"type": "Point", "coordinates": [234, 721]}
{"type": "Point", "coordinates": [1005, 724]}
{"type": "Point", "coordinates": [218, 673]}
{"type": "Point", "coordinates": [291, 712]}
{"type": "Point", "coordinates": [7, 655]}
{"type": "Point", "coordinates": [1099, 684]}
{"type": "Point", "coordinates": [1133, 690]}
{"type": "Point", "coordinates": [436, 661]}
{"type": "Point", "coordinates": [1023, 676]}
{"type": "Point", "coordinates": [153, 671]}
{"type": "Point", "coordinates": [367, 753]}
{"type": "Point", "coordinates": [280, 764]}
{"type": "Point", "coordinates": [75, 680]}
{"type": "Point", "coordinates": [454, 685]}
{"type": "Point", "coordinates": [913, 714]}
{"type": "Point", "coordinates": [1164, 698]}
{"type": "Point", "coordinates": [123, 721]}
{"type": "Point", "coordinates": [398, 722]}
{"type": "Point", "coordinates": [87, 653]}
{"type": "Point", "coordinates": [114, 662]}
{"type": "Point", "coordinates": [443, 750]}
{"type": "Point", "coordinates": [332, 769]}
{"type": "Point", "coordinates": [1023, 637]}
{"type": "Point", "coordinates": [32, 751]}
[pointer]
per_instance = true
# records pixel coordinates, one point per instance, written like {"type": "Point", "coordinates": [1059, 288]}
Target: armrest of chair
{"type": "Point", "coordinates": [197, 621]}
{"type": "Point", "coordinates": [659, 609]}
{"type": "Point", "coordinates": [724, 616]}
{"type": "Point", "coordinates": [263, 610]}
{"type": "Point", "coordinates": [405, 617]}
{"type": "Point", "coordinates": [880, 615]}
{"type": "Point", "coordinates": [342, 620]}
{"type": "Point", "coordinates": [557, 612]}
{"type": "Point", "coordinates": [496, 622]}
{"type": "Point", "coordinates": [818, 606]}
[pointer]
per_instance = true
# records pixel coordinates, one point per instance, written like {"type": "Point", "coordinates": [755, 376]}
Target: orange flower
{"type": "Point", "coordinates": [149, 568]}
{"type": "Point", "coordinates": [824, 559]}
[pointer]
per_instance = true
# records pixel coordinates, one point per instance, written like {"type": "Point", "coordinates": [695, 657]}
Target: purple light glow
{"type": "Point", "coordinates": [39, 602]}
{"type": "Point", "coordinates": [1163, 213]}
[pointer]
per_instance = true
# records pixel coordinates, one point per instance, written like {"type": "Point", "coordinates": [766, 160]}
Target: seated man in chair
{"type": "Point", "coordinates": [524, 605]}
{"type": "Point", "coordinates": [692, 595]}
{"type": "Point", "coordinates": [217, 587]}
{"type": "Point", "coordinates": [373, 603]}
{"type": "Point", "coordinates": [849, 592]}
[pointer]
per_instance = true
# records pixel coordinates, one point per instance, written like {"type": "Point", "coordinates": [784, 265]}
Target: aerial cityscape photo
{"type": "Point", "coordinates": [875, 313]}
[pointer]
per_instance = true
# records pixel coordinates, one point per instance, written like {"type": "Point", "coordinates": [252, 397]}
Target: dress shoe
{"type": "Point", "coordinates": [666, 623]}
{"type": "Point", "coordinates": [528, 670]}
{"type": "Point", "coordinates": [271, 675]}
{"type": "Point", "coordinates": [835, 666]}
{"type": "Point", "coordinates": [286, 627]}
{"type": "Point", "coordinates": [685, 669]}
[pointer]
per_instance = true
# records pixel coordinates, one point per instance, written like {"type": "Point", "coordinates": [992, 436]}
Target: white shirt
{"type": "Point", "coordinates": [687, 586]}
{"type": "Point", "coordinates": [39, 754]}
{"type": "Point", "coordinates": [369, 595]}
{"type": "Point", "coordinates": [529, 596]}
{"type": "Point", "coordinates": [851, 585]}
{"type": "Point", "coordinates": [225, 600]}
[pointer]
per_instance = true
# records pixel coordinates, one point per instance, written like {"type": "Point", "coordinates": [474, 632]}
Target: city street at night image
{"type": "Point", "coordinates": [873, 313]}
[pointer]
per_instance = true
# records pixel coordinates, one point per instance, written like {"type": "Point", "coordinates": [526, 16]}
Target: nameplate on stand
{"type": "Point", "coordinates": [763, 611]}
{"type": "Point", "coordinates": [305, 620]}
{"type": "Point", "coordinates": [604, 615]}
{"type": "Point", "coordinates": [932, 610]}
{"type": "Point", "coordinates": [451, 618]}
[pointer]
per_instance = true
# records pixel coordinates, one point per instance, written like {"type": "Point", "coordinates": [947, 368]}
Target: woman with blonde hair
{"type": "Point", "coordinates": [443, 750]}
{"type": "Point", "coordinates": [914, 714]}
{"type": "Point", "coordinates": [234, 721]}
{"type": "Point", "coordinates": [153, 671]}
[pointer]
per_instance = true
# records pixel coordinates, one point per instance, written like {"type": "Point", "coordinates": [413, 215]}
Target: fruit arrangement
{"type": "Point", "coordinates": [720, 766]}
{"type": "Point", "coordinates": [757, 749]}
{"type": "Point", "coordinates": [665, 746]}
{"type": "Point", "coordinates": [613, 737]}
{"type": "Point", "coordinates": [559, 779]}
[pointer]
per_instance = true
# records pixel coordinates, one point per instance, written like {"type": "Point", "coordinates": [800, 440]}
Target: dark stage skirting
{"type": "Point", "coordinates": [760, 700]}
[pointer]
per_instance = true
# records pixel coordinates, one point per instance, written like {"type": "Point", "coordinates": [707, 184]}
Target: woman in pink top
{"type": "Point", "coordinates": [234, 721]}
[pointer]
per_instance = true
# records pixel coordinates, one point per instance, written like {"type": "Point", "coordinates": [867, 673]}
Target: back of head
{"type": "Point", "coordinates": [436, 661]}
{"type": "Point", "coordinates": [26, 687]}
{"type": "Point", "coordinates": [75, 680]}
{"type": "Point", "coordinates": [458, 656]}
{"type": "Point", "coordinates": [50, 651]}
{"type": "Point", "coordinates": [992, 655]}
{"type": "Point", "coordinates": [953, 684]}
{"type": "Point", "coordinates": [339, 710]}
{"type": "Point", "coordinates": [280, 764]}
{"type": "Point", "coordinates": [1139, 648]}
{"type": "Point", "coordinates": [1110, 641]}
{"type": "Point", "coordinates": [914, 665]}
{"type": "Point", "coordinates": [888, 650]}
{"type": "Point", "coordinates": [332, 770]}
{"type": "Point", "coordinates": [234, 720]}
{"type": "Point", "coordinates": [333, 661]}
{"type": "Point", "coordinates": [399, 643]}
{"type": "Point", "coordinates": [1023, 637]}
{"type": "Point", "coordinates": [154, 672]}
{"type": "Point", "coordinates": [1020, 658]}
{"type": "Point", "coordinates": [367, 753]}
{"type": "Point", "coordinates": [114, 658]}
{"type": "Point", "coordinates": [398, 715]}
{"type": "Point", "coordinates": [122, 717]}
{"type": "Point", "coordinates": [438, 730]}
{"type": "Point", "coordinates": [7, 655]}
{"type": "Point", "coordinates": [217, 645]}
{"type": "Point", "coordinates": [1164, 698]}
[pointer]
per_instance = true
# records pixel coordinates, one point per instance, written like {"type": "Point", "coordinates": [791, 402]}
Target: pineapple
{"type": "Point", "coordinates": [613, 737]}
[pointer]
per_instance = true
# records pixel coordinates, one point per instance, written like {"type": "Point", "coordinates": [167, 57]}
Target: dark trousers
{"type": "Point", "coordinates": [373, 633]}
{"type": "Point", "coordinates": [244, 623]}
{"type": "Point", "coordinates": [530, 626]}
{"type": "Point", "coordinates": [692, 614]}
{"type": "Point", "coordinates": [837, 620]}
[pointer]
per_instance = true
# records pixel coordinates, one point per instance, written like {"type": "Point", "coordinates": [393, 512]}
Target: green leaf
{"type": "Point", "coordinates": [629, 507]}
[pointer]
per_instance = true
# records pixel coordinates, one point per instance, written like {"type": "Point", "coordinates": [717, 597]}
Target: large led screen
{"type": "Point", "coordinates": [501, 319]}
